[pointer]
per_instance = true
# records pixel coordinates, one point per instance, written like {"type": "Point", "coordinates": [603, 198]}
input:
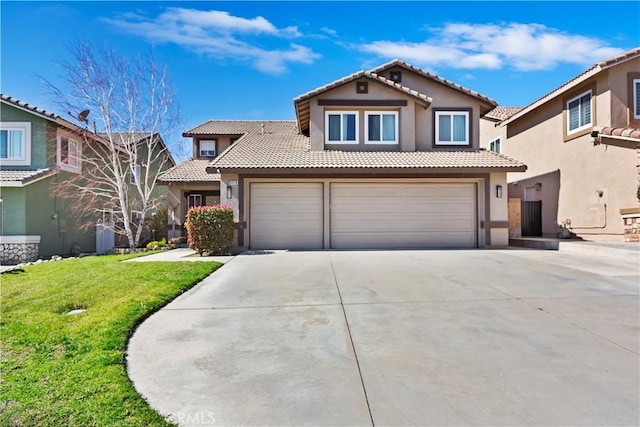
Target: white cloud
{"type": "Point", "coordinates": [221, 36]}
{"type": "Point", "coordinates": [488, 46]}
{"type": "Point", "coordinates": [329, 31]}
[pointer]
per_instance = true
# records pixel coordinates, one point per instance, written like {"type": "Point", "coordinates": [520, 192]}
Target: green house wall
{"type": "Point", "coordinates": [43, 136]}
{"type": "Point", "coordinates": [13, 220]}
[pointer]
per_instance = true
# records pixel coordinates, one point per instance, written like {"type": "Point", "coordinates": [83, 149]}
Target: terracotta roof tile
{"type": "Point", "coordinates": [192, 170]}
{"type": "Point", "coordinates": [281, 146]}
{"type": "Point", "coordinates": [632, 133]}
{"type": "Point", "coordinates": [24, 176]}
{"type": "Point", "coordinates": [26, 106]}
{"type": "Point", "coordinates": [445, 82]}
{"type": "Point", "coordinates": [225, 127]}
{"type": "Point", "coordinates": [503, 113]}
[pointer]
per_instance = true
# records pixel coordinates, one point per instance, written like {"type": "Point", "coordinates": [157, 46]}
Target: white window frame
{"type": "Point", "coordinates": [194, 195]}
{"type": "Point", "coordinates": [585, 126]}
{"type": "Point", "coordinates": [492, 145]}
{"type": "Point", "coordinates": [208, 141]}
{"type": "Point", "coordinates": [78, 154]}
{"type": "Point", "coordinates": [134, 174]}
{"type": "Point", "coordinates": [25, 159]}
{"type": "Point", "coordinates": [636, 95]}
{"type": "Point", "coordinates": [380, 113]}
{"type": "Point", "coordinates": [341, 113]}
{"type": "Point", "coordinates": [452, 113]}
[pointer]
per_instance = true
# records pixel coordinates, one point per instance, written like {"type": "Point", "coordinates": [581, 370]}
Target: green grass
{"type": "Point", "coordinates": [59, 369]}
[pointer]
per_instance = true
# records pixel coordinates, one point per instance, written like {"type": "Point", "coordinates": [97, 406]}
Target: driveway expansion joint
{"type": "Point", "coordinates": [353, 346]}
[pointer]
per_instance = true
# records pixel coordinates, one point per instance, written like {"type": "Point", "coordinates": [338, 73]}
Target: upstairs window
{"type": "Point", "coordinates": [636, 99]}
{"type": "Point", "coordinates": [195, 200]}
{"type": "Point", "coordinates": [382, 127]}
{"type": "Point", "coordinates": [134, 177]}
{"type": "Point", "coordinates": [452, 127]}
{"type": "Point", "coordinates": [69, 153]}
{"type": "Point", "coordinates": [208, 148]}
{"type": "Point", "coordinates": [341, 127]}
{"type": "Point", "coordinates": [495, 145]}
{"type": "Point", "coordinates": [579, 112]}
{"type": "Point", "coordinates": [15, 143]}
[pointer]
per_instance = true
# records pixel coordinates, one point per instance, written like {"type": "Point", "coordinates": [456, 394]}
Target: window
{"type": "Point", "coordinates": [636, 99]}
{"type": "Point", "coordinates": [195, 200]}
{"type": "Point", "coordinates": [381, 127]}
{"type": "Point", "coordinates": [69, 153]}
{"type": "Point", "coordinates": [579, 112]}
{"type": "Point", "coordinates": [207, 148]}
{"type": "Point", "coordinates": [134, 177]}
{"type": "Point", "coordinates": [341, 127]}
{"type": "Point", "coordinates": [452, 127]}
{"type": "Point", "coordinates": [396, 76]}
{"type": "Point", "coordinates": [495, 145]}
{"type": "Point", "coordinates": [15, 143]}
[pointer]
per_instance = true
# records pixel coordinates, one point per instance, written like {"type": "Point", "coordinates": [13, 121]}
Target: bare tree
{"type": "Point", "coordinates": [124, 105]}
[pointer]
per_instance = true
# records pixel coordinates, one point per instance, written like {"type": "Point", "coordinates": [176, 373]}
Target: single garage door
{"type": "Point", "coordinates": [411, 215]}
{"type": "Point", "coordinates": [286, 215]}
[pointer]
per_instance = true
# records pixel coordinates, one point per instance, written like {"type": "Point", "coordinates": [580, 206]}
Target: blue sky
{"type": "Point", "coordinates": [248, 60]}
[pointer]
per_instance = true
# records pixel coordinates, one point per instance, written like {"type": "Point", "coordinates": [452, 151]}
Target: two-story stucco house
{"type": "Point", "coordinates": [39, 151]}
{"type": "Point", "coordinates": [37, 148]}
{"type": "Point", "coordinates": [386, 158]}
{"type": "Point", "coordinates": [581, 145]}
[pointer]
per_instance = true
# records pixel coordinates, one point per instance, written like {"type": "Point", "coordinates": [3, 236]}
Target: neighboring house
{"type": "Point", "coordinates": [37, 149]}
{"type": "Point", "coordinates": [580, 143]}
{"type": "Point", "coordinates": [387, 158]}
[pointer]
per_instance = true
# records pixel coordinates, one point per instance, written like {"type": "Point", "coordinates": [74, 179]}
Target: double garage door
{"type": "Point", "coordinates": [363, 215]}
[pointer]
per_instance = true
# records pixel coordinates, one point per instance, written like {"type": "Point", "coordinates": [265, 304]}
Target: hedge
{"type": "Point", "coordinates": [210, 229]}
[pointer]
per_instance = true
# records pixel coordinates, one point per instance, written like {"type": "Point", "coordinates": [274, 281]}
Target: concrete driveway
{"type": "Point", "coordinates": [478, 337]}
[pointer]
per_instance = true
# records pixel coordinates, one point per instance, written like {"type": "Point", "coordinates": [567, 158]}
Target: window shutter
{"type": "Point", "coordinates": [585, 102]}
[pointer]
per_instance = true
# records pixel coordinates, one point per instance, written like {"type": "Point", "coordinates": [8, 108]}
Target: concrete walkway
{"type": "Point", "coordinates": [180, 254]}
{"type": "Point", "coordinates": [513, 337]}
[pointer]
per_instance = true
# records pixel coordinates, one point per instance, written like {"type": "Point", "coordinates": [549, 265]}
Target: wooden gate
{"type": "Point", "coordinates": [531, 219]}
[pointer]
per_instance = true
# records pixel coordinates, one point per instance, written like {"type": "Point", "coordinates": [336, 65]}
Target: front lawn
{"type": "Point", "coordinates": [68, 370]}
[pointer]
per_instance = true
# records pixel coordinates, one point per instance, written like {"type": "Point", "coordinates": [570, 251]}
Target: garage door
{"type": "Point", "coordinates": [286, 215]}
{"type": "Point", "coordinates": [411, 215]}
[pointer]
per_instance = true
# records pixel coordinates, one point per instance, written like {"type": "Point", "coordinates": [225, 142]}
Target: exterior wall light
{"type": "Point", "coordinates": [229, 191]}
{"type": "Point", "coordinates": [538, 186]}
{"type": "Point", "coordinates": [499, 191]}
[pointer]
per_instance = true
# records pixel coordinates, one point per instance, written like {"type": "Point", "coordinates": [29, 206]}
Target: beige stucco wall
{"type": "Point", "coordinates": [489, 131]}
{"type": "Point", "coordinates": [573, 173]}
{"type": "Point", "coordinates": [177, 206]}
{"type": "Point", "coordinates": [376, 91]}
{"type": "Point", "coordinates": [416, 121]}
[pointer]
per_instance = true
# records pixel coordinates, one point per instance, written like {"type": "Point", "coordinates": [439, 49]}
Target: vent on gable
{"type": "Point", "coordinates": [362, 87]}
{"type": "Point", "coordinates": [396, 76]}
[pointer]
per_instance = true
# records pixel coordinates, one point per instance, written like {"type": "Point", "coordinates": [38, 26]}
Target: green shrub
{"type": "Point", "coordinates": [153, 244]}
{"type": "Point", "coordinates": [210, 229]}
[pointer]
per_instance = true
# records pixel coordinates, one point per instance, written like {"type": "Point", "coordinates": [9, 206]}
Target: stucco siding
{"type": "Point", "coordinates": [51, 218]}
{"type": "Point", "coordinates": [585, 183]}
{"type": "Point", "coordinates": [42, 136]}
{"type": "Point", "coordinates": [13, 212]}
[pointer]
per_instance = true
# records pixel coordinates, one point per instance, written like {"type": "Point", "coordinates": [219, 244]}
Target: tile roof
{"type": "Point", "coordinates": [25, 106]}
{"type": "Point", "coordinates": [588, 73]}
{"type": "Point", "coordinates": [225, 127]}
{"type": "Point", "coordinates": [502, 113]}
{"type": "Point", "coordinates": [281, 146]}
{"type": "Point", "coordinates": [631, 133]}
{"type": "Point", "coordinates": [399, 63]}
{"type": "Point", "coordinates": [369, 76]}
{"type": "Point", "coordinates": [192, 170]}
{"type": "Point", "coordinates": [303, 107]}
{"type": "Point", "coordinates": [22, 177]}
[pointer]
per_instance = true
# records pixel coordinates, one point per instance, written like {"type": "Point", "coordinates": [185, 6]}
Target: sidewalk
{"type": "Point", "coordinates": [182, 254]}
